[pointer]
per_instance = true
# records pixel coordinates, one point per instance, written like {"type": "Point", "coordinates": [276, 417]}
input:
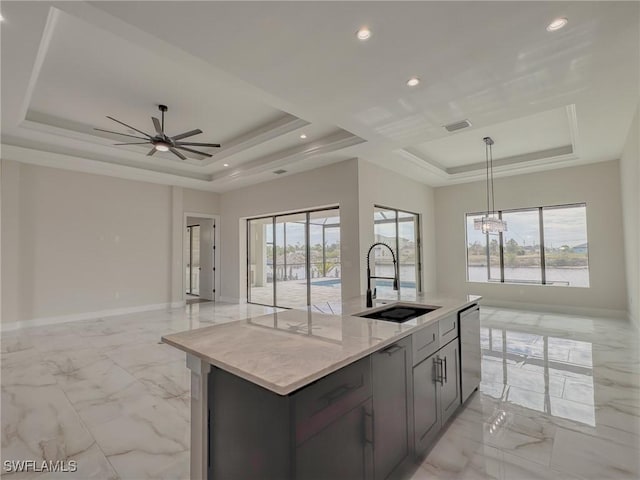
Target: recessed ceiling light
{"type": "Point", "coordinates": [303, 136]}
{"type": "Point", "coordinates": [557, 24]}
{"type": "Point", "coordinates": [363, 34]}
{"type": "Point", "coordinates": [225, 165]}
{"type": "Point", "coordinates": [413, 81]}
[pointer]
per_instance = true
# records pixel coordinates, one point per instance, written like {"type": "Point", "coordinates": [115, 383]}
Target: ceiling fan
{"type": "Point", "coordinates": [161, 141]}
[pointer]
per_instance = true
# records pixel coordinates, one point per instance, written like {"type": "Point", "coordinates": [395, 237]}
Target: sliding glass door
{"type": "Point", "coordinates": [401, 231]}
{"type": "Point", "coordinates": [294, 260]}
{"type": "Point", "coordinates": [325, 283]}
{"type": "Point", "coordinates": [260, 260]}
{"type": "Point", "coordinates": [291, 260]}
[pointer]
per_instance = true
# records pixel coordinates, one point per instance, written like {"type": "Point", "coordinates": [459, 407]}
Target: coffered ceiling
{"type": "Point", "coordinates": [255, 76]}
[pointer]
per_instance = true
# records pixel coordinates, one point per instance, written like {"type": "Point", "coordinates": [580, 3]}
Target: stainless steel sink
{"type": "Point", "coordinates": [398, 313]}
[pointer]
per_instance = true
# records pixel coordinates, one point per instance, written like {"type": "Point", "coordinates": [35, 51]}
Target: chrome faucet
{"type": "Point", "coordinates": [371, 296]}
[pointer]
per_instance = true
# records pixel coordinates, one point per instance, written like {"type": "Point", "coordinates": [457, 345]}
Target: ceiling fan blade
{"type": "Point", "coordinates": [196, 144]}
{"type": "Point", "coordinates": [151, 152]}
{"type": "Point", "coordinates": [118, 133]}
{"type": "Point", "coordinates": [194, 151]}
{"type": "Point", "coordinates": [129, 126]}
{"type": "Point", "coordinates": [133, 143]}
{"type": "Point", "coordinates": [176, 152]}
{"type": "Point", "coordinates": [156, 123]}
{"type": "Point", "coordinates": [187, 134]}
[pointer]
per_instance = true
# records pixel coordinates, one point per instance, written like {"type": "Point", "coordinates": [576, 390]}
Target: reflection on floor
{"type": "Point", "coordinates": [104, 393]}
{"type": "Point", "coordinates": [191, 299]}
{"type": "Point", "coordinates": [293, 293]}
{"type": "Point", "coordinates": [559, 398]}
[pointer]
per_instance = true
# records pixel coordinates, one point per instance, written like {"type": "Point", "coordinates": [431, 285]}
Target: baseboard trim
{"type": "Point", "coordinates": [76, 317]}
{"type": "Point", "coordinates": [571, 310]}
{"type": "Point", "coordinates": [179, 304]}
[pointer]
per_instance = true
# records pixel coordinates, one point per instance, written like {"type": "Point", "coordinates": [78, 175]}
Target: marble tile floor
{"type": "Point", "coordinates": [559, 399]}
{"type": "Point", "coordinates": [293, 293]}
{"type": "Point", "coordinates": [103, 392]}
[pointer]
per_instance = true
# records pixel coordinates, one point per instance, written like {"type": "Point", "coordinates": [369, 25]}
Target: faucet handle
{"type": "Point", "coordinates": [375, 294]}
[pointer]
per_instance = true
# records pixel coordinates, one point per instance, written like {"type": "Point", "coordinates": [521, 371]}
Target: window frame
{"type": "Point", "coordinates": [274, 217]}
{"type": "Point", "coordinates": [418, 223]}
{"type": "Point", "coordinates": [500, 236]}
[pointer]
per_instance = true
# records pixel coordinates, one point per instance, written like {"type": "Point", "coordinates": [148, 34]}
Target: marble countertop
{"type": "Point", "coordinates": [288, 350]}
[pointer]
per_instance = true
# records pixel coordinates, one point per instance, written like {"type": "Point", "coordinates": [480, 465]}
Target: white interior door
{"type": "Point", "coordinates": [206, 258]}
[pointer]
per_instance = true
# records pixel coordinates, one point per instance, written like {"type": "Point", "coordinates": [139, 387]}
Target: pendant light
{"type": "Point", "coordinates": [490, 222]}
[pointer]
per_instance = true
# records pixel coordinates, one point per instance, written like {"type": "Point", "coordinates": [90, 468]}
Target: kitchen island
{"type": "Point", "coordinates": [322, 392]}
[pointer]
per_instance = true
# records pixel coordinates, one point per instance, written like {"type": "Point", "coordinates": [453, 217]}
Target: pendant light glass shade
{"type": "Point", "coordinates": [490, 223]}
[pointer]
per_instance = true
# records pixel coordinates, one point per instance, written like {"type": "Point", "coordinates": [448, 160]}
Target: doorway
{"type": "Point", "coordinates": [193, 262]}
{"type": "Point", "coordinates": [200, 258]}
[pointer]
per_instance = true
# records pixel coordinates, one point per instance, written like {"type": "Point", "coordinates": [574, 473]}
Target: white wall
{"type": "Point", "coordinates": [335, 184]}
{"type": "Point", "coordinates": [378, 186]}
{"type": "Point", "coordinates": [597, 184]}
{"type": "Point", "coordinates": [76, 244]}
{"type": "Point", "coordinates": [356, 186]}
{"type": "Point", "coordinates": [199, 201]}
{"type": "Point", "coordinates": [630, 187]}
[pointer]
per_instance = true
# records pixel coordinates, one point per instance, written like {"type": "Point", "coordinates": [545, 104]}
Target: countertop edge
{"type": "Point", "coordinates": [313, 377]}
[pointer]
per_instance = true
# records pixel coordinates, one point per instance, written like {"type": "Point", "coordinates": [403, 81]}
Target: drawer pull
{"type": "Point", "coordinates": [429, 343]}
{"type": "Point", "coordinates": [392, 349]}
{"type": "Point", "coordinates": [340, 391]}
{"type": "Point", "coordinates": [450, 330]}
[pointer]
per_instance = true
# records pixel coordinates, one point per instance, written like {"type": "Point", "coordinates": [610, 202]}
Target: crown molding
{"type": "Point", "coordinates": [329, 143]}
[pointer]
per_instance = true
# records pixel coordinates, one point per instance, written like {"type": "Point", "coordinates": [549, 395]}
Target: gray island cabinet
{"type": "Point", "coordinates": [305, 395]}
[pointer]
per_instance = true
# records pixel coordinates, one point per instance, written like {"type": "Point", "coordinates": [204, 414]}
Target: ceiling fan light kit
{"type": "Point", "coordinates": [490, 223]}
{"type": "Point", "coordinates": [161, 142]}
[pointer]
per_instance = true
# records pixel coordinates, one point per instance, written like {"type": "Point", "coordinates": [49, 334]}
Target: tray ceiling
{"type": "Point", "coordinates": [254, 76]}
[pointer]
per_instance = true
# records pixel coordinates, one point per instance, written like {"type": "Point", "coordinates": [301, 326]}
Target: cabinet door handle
{"type": "Point", "coordinates": [392, 349]}
{"type": "Point", "coordinates": [444, 375]}
{"type": "Point", "coordinates": [439, 371]}
{"type": "Point", "coordinates": [368, 426]}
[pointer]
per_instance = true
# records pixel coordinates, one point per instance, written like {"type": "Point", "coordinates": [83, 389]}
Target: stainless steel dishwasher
{"type": "Point", "coordinates": [470, 353]}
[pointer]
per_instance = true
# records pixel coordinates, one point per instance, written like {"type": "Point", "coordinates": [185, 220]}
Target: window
{"type": "Point", "coordinates": [400, 230]}
{"type": "Point", "coordinates": [294, 260]}
{"type": "Point", "coordinates": [543, 245]}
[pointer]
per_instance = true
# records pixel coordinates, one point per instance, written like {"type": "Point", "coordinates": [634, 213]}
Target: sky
{"type": "Point", "coordinates": [562, 226]}
{"type": "Point", "coordinates": [296, 231]}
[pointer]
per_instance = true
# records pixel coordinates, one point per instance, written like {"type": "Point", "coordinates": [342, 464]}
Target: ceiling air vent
{"type": "Point", "coordinates": [452, 127]}
{"type": "Point", "coordinates": [279, 172]}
